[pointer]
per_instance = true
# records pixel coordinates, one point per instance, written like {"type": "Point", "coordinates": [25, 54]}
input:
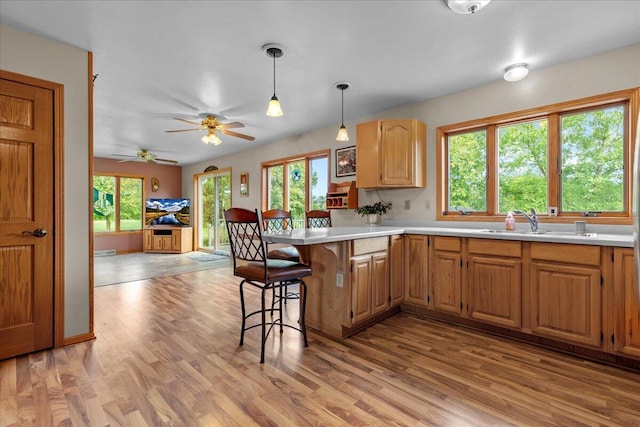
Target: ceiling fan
{"type": "Point", "coordinates": [145, 156]}
{"type": "Point", "coordinates": [212, 123]}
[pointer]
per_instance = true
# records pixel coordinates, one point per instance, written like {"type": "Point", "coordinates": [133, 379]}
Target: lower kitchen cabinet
{"type": "Point", "coordinates": [416, 269]}
{"type": "Point", "coordinates": [369, 278]}
{"type": "Point", "coordinates": [494, 282]}
{"type": "Point", "coordinates": [446, 267]}
{"type": "Point", "coordinates": [396, 272]}
{"type": "Point", "coordinates": [566, 293]}
{"type": "Point", "coordinates": [625, 336]}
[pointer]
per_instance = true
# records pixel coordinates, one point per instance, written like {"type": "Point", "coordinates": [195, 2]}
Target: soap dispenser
{"type": "Point", "coordinates": [510, 222]}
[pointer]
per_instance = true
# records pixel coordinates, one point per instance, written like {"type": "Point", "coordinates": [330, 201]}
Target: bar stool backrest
{"type": "Point", "coordinates": [318, 219]}
{"type": "Point", "coordinates": [245, 237]}
{"type": "Point", "coordinates": [276, 220]}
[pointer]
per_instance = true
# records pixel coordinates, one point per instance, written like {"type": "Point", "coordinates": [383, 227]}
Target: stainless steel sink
{"type": "Point", "coordinates": [541, 232]}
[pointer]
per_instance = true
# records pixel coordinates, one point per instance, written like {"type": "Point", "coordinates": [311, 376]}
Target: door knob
{"type": "Point", "coordinates": [38, 232]}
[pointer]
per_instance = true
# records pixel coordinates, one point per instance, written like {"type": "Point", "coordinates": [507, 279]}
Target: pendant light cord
{"type": "Point", "coordinates": [342, 90]}
{"type": "Point", "coordinates": [274, 72]}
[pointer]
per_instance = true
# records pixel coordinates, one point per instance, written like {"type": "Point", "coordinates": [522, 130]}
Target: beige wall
{"type": "Point", "coordinates": [170, 186]}
{"type": "Point", "coordinates": [34, 56]}
{"type": "Point", "coordinates": [607, 72]}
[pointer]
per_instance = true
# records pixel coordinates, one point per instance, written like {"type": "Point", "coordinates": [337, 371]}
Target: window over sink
{"type": "Point", "coordinates": [574, 156]}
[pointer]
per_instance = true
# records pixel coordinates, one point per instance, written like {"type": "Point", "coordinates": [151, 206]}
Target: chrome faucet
{"type": "Point", "coordinates": [533, 218]}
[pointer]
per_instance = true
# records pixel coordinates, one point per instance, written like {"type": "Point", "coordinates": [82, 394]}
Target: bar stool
{"type": "Point", "coordinates": [318, 218]}
{"type": "Point", "coordinates": [247, 246]}
{"type": "Point", "coordinates": [280, 220]}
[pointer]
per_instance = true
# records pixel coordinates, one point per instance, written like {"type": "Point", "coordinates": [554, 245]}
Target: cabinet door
{"type": "Point", "coordinates": [167, 243]}
{"type": "Point", "coordinates": [495, 290]}
{"type": "Point", "coordinates": [417, 269]}
{"type": "Point", "coordinates": [176, 240]}
{"type": "Point", "coordinates": [147, 243]}
{"type": "Point", "coordinates": [367, 148]}
{"type": "Point", "coordinates": [396, 274]}
{"type": "Point", "coordinates": [379, 282]}
{"type": "Point", "coordinates": [566, 302]}
{"type": "Point", "coordinates": [396, 156]}
{"type": "Point", "coordinates": [446, 290]}
{"type": "Point", "coordinates": [626, 307]}
{"type": "Point", "coordinates": [361, 288]}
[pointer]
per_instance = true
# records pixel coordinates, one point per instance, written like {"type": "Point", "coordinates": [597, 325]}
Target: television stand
{"type": "Point", "coordinates": [167, 239]}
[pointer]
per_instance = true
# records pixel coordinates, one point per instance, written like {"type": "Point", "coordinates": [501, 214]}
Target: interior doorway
{"type": "Point", "coordinates": [213, 192]}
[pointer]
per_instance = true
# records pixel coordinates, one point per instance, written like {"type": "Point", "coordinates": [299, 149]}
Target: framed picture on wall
{"type": "Point", "coordinates": [244, 184]}
{"type": "Point", "coordinates": [346, 161]}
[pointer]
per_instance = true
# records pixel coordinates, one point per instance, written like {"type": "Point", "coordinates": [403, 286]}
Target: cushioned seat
{"type": "Point", "coordinates": [278, 220]}
{"type": "Point", "coordinates": [269, 275]}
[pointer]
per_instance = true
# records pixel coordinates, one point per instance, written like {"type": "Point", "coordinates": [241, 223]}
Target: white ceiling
{"type": "Point", "coordinates": [157, 60]}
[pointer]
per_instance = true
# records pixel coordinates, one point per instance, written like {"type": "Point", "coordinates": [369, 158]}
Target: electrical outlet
{"type": "Point", "coordinates": [553, 211]}
{"type": "Point", "coordinates": [427, 204]}
{"type": "Point", "coordinates": [339, 280]}
{"type": "Point", "coordinates": [407, 204]}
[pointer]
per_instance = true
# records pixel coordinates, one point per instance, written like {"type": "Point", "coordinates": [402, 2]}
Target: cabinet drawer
{"type": "Point", "coordinates": [495, 247]}
{"type": "Point", "coordinates": [366, 246]}
{"type": "Point", "coordinates": [441, 243]}
{"type": "Point", "coordinates": [560, 252]}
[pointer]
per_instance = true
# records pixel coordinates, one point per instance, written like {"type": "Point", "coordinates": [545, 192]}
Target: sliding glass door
{"type": "Point", "coordinates": [213, 191]}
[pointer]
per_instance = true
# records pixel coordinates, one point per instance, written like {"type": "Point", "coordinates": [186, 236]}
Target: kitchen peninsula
{"type": "Point", "coordinates": [572, 292]}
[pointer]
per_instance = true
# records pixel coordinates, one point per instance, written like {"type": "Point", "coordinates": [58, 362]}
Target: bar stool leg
{"type": "Point", "coordinates": [244, 317]}
{"type": "Point", "coordinates": [303, 308]}
{"type": "Point", "coordinates": [262, 314]}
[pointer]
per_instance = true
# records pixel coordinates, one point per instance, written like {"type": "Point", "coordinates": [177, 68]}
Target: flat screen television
{"type": "Point", "coordinates": [167, 212]}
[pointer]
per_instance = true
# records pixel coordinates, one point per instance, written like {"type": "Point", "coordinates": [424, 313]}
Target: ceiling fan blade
{"type": "Point", "coordinates": [188, 121]}
{"type": "Point", "coordinates": [165, 160]}
{"type": "Point", "coordinates": [238, 135]}
{"type": "Point", "coordinates": [124, 155]}
{"type": "Point", "coordinates": [181, 130]}
{"type": "Point", "coordinates": [231, 125]}
{"type": "Point", "coordinates": [151, 161]}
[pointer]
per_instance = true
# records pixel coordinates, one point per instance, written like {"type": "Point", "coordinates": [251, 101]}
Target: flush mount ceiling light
{"type": "Point", "coordinates": [274, 51]}
{"type": "Point", "coordinates": [516, 72]}
{"type": "Point", "coordinates": [342, 132]}
{"type": "Point", "coordinates": [465, 7]}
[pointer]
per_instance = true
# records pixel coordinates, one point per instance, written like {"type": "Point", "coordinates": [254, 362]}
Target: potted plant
{"type": "Point", "coordinates": [372, 212]}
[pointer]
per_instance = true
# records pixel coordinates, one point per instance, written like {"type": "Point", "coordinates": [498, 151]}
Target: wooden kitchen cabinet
{"type": "Point", "coordinates": [626, 309]}
{"type": "Point", "coordinates": [446, 277]}
{"type": "Point", "coordinates": [565, 293]}
{"type": "Point", "coordinates": [394, 152]}
{"type": "Point", "coordinates": [369, 278]}
{"type": "Point", "coordinates": [167, 239]}
{"type": "Point", "coordinates": [494, 283]}
{"type": "Point", "coordinates": [416, 269]}
{"type": "Point", "coordinates": [396, 272]}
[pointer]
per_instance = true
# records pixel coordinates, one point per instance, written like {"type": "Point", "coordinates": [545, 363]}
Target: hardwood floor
{"type": "Point", "coordinates": [167, 354]}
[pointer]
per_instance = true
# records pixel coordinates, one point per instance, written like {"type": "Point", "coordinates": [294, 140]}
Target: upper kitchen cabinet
{"type": "Point", "coordinates": [391, 154]}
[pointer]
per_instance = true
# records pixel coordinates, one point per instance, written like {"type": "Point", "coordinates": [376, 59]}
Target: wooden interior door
{"type": "Point", "coordinates": [26, 218]}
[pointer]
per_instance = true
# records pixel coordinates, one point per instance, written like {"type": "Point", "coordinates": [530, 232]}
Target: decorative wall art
{"type": "Point", "coordinates": [244, 184]}
{"type": "Point", "coordinates": [346, 161]}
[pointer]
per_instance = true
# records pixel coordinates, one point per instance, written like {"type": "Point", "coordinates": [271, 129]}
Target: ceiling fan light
{"type": "Point", "coordinates": [516, 72]}
{"type": "Point", "coordinates": [274, 109]}
{"type": "Point", "coordinates": [342, 134]}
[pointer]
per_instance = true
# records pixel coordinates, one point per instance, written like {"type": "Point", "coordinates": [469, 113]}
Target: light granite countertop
{"type": "Point", "coordinates": [310, 236]}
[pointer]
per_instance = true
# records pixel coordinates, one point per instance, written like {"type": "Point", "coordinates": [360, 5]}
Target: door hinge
{"type": "Point", "coordinates": [601, 280]}
{"type": "Point", "coordinates": [389, 299]}
{"type": "Point", "coordinates": [612, 257]}
{"type": "Point", "coordinates": [461, 305]}
{"type": "Point", "coordinates": [601, 336]}
{"type": "Point", "coordinates": [613, 338]}
{"type": "Point", "coordinates": [352, 314]}
{"type": "Point", "coordinates": [352, 268]}
{"type": "Point", "coordinates": [460, 263]}
{"type": "Point", "coordinates": [428, 299]}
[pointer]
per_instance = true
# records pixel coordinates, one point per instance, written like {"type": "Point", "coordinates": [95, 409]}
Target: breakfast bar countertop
{"type": "Point", "coordinates": [314, 236]}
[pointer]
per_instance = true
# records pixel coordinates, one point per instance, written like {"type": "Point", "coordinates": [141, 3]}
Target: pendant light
{"type": "Point", "coordinates": [464, 7]}
{"type": "Point", "coordinates": [274, 51]}
{"type": "Point", "coordinates": [342, 132]}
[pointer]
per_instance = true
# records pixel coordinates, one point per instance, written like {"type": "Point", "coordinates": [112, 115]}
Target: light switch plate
{"type": "Point", "coordinates": [553, 211]}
